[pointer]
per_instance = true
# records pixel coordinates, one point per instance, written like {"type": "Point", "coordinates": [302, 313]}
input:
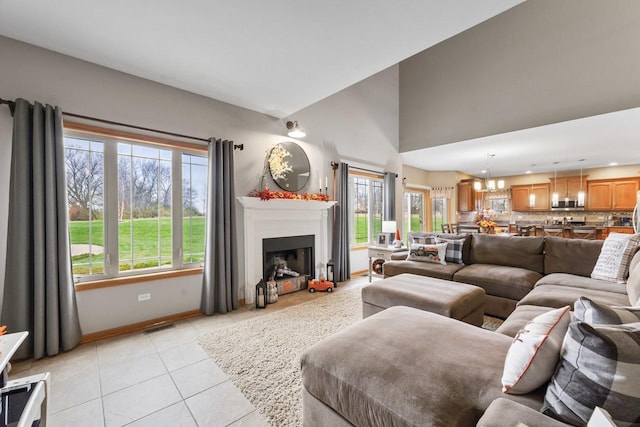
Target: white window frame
{"type": "Point", "coordinates": [110, 198]}
{"type": "Point", "coordinates": [372, 239]}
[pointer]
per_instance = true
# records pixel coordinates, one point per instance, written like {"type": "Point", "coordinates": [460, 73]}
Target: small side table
{"type": "Point", "coordinates": [383, 252]}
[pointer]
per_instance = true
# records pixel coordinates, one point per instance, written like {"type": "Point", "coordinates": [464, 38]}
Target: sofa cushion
{"type": "Point", "coordinates": [507, 282]}
{"type": "Point", "coordinates": [574, 281]}
{"type": "Point", "coordinates": [404, 367]}
{"type": "Point", "coordinates": [512, 251]}
{"type": "Point", "coordinates": [439, 271]}
{"type": "Point", "coordinates": [557, 296]}
{"type": "Point", "coordinates": [591, 312]}
{"type": "Point", "coordinates": [454, 250]}
{"type": "Point", "coordinates": [428, 253]}
{"type": "Point", "coordinates": [615, 257]}
{"type": "Point", "coordinates": [535, 351]}
{"type": "Point", "coordinates": [560, 255]}
{"type": "Point", "coordinates": [519, 318]}
{"type": "Point", "coordinates": [599, 366]}
{"type": "Point", "coordinates": [507, 413]}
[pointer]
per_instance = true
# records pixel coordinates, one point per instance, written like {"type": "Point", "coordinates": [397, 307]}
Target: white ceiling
{"type": "Point", "coordinates": [274, 57]}
{"type": "Point", "coordinates": [279, 56]}
{"type": "Point", "coordinates": [599, 140]}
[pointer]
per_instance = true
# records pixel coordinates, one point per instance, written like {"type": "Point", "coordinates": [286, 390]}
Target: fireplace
{"type": "Point", "coordinates": [281, 218]}
{"type": "Point", "coordinates": [289, 261]}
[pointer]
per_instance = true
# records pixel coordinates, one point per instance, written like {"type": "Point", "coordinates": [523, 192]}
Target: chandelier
{"type": "Point", "coordinates": [490, 185]}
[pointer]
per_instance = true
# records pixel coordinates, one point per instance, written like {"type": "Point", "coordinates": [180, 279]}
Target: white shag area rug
{"type": "Point", "coordinates": [262, 355]}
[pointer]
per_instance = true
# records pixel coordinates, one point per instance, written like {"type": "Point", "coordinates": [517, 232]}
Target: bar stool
{"type": "Point", "coordinates": [584, 232]}
{"type": "Point", "coordinates": [553, 231]}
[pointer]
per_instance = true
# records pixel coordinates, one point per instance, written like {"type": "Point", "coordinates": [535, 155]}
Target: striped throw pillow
{"type": "Point", "coordinates": [599, 366]}
{"type": "Point", "coordinates": [591, 312]}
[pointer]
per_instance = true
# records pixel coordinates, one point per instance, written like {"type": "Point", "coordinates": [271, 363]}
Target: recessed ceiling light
{"type": "Point", "coordinates": [613, 164]}
{"type": "Point", "coordinates": [483, 171]}
{"type": "Point", "coordinates": [528, 172]}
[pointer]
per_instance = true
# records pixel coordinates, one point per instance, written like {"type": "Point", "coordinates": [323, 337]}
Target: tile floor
{"type": "Point", "coordinates": [153, 379]}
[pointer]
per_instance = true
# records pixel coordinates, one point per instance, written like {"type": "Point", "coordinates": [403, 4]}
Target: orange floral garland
{"type": "Point", "coordinates": [267, 194]}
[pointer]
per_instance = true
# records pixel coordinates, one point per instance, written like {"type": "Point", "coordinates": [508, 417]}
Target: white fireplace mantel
{"type": "Point", "coordinates": [264, 219]}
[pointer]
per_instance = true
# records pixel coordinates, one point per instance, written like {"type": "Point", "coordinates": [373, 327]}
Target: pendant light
{"type": "Point", "coordinates": [532, 196]}
{"type": "Point", "coordinates": [555, 197]}
{"type": "Point", "coordinates": [581, 192]}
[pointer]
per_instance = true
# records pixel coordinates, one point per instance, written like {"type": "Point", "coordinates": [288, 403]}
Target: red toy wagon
{"type": "Point", "coordinates": [320, 285]}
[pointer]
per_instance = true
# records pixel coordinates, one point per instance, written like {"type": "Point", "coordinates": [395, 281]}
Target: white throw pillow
{"type": "Point", "coordinates": [428, 253]}
{"type": "Point", "coordinates": [535, 351]}
{"type": "Point", "coordinates": [615, 256]}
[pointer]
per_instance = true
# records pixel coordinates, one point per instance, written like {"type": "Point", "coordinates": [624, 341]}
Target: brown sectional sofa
{"type": "Point", "coordinates": [407, 367]}
{"type": "Point", "coordinates": [509, 268]}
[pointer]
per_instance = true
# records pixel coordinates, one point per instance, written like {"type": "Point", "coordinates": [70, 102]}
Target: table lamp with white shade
{"type": "Point", "coordinates": [392, 228]}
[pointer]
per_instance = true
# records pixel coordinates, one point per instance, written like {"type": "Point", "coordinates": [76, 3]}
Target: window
{"type": "Point", "coordinates": [134, 207]}
{"type": "Point", "coordinates": [499, 206]}
{"type": "Point", "coordinates": [366, 208]}
{"type": "Point", "coordinates": [413, 211]}
{"type": "Point", "coordinates": [438, 213]}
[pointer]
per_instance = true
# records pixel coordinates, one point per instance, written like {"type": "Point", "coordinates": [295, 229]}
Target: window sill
{"type": "Point", "coordinates": [121, 281]}
{"type": "Point", "coordinates": [362, 247]}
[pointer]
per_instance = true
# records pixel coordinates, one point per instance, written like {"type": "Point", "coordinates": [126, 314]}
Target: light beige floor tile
{"type": "Point", "coordinates": [71, 387]}
{"type": "Point", "coordinates": [88, 414]}
{"type": "Point", "coordinates": [177, 415]}
{"type": "Point", "coordinates": [183, 355]}
{"type": "Point", "coordinates": [117, 376]}
{"type": "Point", "coordinates": [197, 377]}
{"type": "Point", "coordinates": [83, 355]}
{"type": "Point", "coordinates": [123, 348]}
{"type": "Point", "coordinates": [140, 400]}
{"type": "Point", "coordinates": [219, 406]}
{"type": "Point", "coordinates": [254, 419]}
{"type": "Point", "coordinates": [182, 333]}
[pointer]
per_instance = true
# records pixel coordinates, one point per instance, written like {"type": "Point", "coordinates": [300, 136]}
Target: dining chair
{"type": "Point", "coordinates": [454, 228]}
{"type": "Point", "coordinates": [553, 230]}
{"type": "Point", "coordinates": [584, 232]}
{"type": "Point", "coordinates": [446, 228]}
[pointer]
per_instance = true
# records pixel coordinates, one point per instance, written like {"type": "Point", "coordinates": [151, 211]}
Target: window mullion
{"type": "Point", "coordinates": [111, 209]}
{"type": "Point", "coordinates": [176, 209]}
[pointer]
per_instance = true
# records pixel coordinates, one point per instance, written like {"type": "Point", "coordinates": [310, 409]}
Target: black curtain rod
{"type": "Point", "coordinates": [335, 165]}
{"type": "Point", "coordinates": [12, 106]}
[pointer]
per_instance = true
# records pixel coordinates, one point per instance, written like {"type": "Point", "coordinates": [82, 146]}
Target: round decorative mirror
{"type": "Point", "coordinates": [289, 166]}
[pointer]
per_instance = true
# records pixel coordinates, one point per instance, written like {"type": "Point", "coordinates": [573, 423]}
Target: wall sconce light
{"type": "Point", "coordinates": [294, 130]}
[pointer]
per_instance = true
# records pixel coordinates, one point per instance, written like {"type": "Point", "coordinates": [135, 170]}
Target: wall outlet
{"type": "Point", "coordinates": [144, 297]}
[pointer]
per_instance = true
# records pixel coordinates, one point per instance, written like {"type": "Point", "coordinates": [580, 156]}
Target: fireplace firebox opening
{"type": "Point", "coordinates": [289, 262]}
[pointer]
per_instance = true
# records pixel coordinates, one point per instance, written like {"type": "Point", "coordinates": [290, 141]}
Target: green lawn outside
{"type": "Point", "coordinates": [361, 225]}
{"type": "Point", "coordinates": [148, 235]}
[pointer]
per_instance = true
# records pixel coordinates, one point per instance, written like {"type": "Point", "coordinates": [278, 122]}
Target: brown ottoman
{"type": "Point", "coordinates": [451, 299]}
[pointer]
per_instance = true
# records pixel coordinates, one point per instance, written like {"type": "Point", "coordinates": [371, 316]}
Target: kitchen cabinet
{"type": "Point", "coordinates": [520, 197]}
{"type": "Point", "coordinates": [469, 199]}
{"type": "Point", "coordinates": [623, 230]}
{"type": "Point", "coordinates": [612, 195]}
{"type": "Point", "coordinates": [568, 186]}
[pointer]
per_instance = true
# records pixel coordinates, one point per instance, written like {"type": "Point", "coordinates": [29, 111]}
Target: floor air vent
{"type": "Point", "coordinates": [159, 327]}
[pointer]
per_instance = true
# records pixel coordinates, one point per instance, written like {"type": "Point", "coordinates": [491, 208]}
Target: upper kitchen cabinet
{"type": "Point", "coordinates": [612, 194]}
{"type": "Point", "coordinates": [568, 187]}
{"type": "Point", "coordinates": [520, 197]}
{"type": "Point", "coordinates": [468, 199]}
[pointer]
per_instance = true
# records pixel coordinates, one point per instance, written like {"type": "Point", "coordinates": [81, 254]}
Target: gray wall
{"type": "Point", "coordinates": [80, 87]}
{"type": "Point", "coordinates": [541, 62]}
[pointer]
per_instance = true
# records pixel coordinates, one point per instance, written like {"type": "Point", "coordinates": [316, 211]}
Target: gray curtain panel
{"type": "Point", "coordinates": [389, 196]}
{"type": "Point", "coordinates": [39, 295]}
{"type": "Point", "coordinates": [220, 282]}
{"type": "Point", "coordinates": [341, 260]}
